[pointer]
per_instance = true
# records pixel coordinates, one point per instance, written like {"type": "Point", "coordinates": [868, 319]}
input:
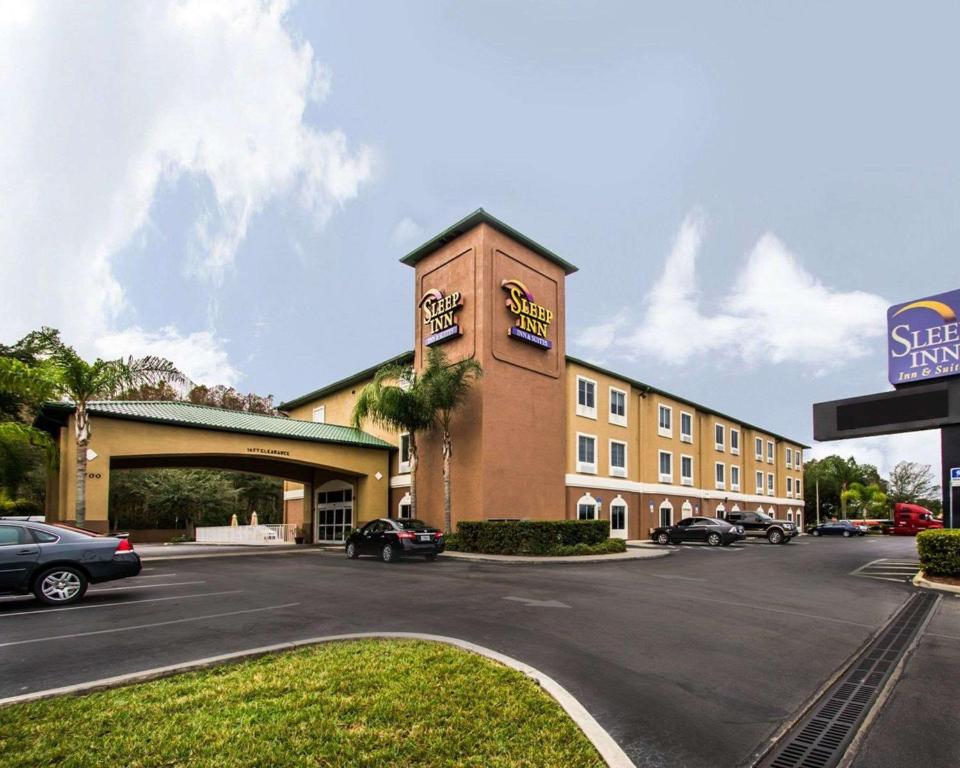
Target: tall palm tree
{"type": "Point", "coordinates": [396, 400]}
{"type": "Point", "coordinates": [869, 498]}
{"type": "Point", "coordinates": [82, 383]}
{"type": "Point", "coordinates": [447, 385]}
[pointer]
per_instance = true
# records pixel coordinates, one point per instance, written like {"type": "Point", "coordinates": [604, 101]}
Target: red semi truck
{"type": "Point", "coordinates": [910, 519]}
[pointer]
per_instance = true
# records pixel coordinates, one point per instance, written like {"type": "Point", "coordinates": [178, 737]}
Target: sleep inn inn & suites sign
{"type": "Point", "coordinates": [923, 339]}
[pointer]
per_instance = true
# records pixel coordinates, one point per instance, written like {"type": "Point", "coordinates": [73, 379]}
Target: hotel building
{"type": "Point", "coordinates": [544, 435]}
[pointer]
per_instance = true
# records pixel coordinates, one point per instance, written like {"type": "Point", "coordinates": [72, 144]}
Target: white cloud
{"type": "Point", "coordinates": [775, 311]}
{"type": "Point", "coordinates": [107, 103]}
{"type": "Point", "coordinates": [406, 232]}
{"type": "Point", "coordinates": [199, 355]}
{"type": "Point", "coordinates": [887, 451]}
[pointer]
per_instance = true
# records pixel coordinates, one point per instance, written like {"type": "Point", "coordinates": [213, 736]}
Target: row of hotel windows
{"type": "Point", "coordinates": [588, 508]}
{"type": "Point", "coordinates": [587, 407]}
{"type": "Point", "coordinates": [587, 464]}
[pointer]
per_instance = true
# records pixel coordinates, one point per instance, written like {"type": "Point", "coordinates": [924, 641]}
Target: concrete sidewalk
{"type": "Point", "coordinates": [190, 550]}
{"type": "Point", "coordinates": [633, 553]}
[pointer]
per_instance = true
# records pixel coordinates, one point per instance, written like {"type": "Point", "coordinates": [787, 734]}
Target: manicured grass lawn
{"type": "Point", "coordinates": [360, 703]}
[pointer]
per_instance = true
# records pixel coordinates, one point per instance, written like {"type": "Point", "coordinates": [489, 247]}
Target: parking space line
{"type": "Point", "coordinates": [148, 626]}
{"type": "Point", "coordinates": [146, 586]}
{"type": "Point", "coordinates": [42, 611]}
{"type": "Point", "coordinates": [155, 576]}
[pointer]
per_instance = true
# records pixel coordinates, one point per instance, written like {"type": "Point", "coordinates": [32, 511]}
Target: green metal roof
{"type": "Point", "coordinates": [193, 416]}
{"type": "Point", "coordinates": [467, 223]}
{"type": "Point", "coordinates": [405, 358]}
{"type": "Point", "coordinates": [648, 388]}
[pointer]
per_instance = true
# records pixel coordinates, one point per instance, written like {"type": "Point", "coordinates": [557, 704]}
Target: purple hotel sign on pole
{"type": "Point", "coordinates": [923, 339]}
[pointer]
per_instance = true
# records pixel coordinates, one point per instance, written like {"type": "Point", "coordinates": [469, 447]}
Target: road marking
{"type": "Point", "coordinates": [41, 611]}
{"type": "Point", "coordinates": [145, 586]}
{"type": "Point", "coordinates": [537, 603]}
{"type": "Point", "coordinates": [148, 626]}
{"type": "Point", "coordinates": [156, 576]}
{"type": "Point", "coordinates": [684, 578]}
{"type": "Point", "coordinates": [884, 569]}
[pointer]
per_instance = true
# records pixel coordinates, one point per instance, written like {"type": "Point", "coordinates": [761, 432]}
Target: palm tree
{"type": "Point", "coordinates": [447, 385]}
{"type": "Point", "coordinates": [395, 399]}
{"type": "Point", "coordinates": [869, 498]}
{"type": "Point", "coordinates": [82, 383]}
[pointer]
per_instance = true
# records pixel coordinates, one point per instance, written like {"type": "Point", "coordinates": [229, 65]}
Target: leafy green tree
{"type": "Point", "coordinates": [834, 475]}
{"type": "Point", "coordinates": [447, 386]}
{"type": "Point", "coordinates": [396, 399]}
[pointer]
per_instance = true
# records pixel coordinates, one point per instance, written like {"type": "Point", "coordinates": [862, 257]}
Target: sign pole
{"type": "Point", "coordinates": [950, 456]}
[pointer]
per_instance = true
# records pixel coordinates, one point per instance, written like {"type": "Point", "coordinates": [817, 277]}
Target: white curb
{"type": "Point", "coordinates": [609, 750]}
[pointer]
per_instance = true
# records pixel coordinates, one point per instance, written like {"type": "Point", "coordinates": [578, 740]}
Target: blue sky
{"type": "Point", "coordinates": [744, 187]}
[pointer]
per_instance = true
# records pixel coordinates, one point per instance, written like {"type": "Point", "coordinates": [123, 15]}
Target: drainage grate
{"type": "Point", "coordinates": [821, 737]}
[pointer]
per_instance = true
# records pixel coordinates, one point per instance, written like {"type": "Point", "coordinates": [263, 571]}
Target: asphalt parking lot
{"type": "Point", "coordinates": [694, 659]}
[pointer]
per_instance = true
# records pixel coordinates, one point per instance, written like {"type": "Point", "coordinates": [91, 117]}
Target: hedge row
{"type": "Point", "coordinates": [939, 552]}
{"type": "Point", "coordinates": [528, 537]}
{"type": "Point", "coordinates": [20, 507]}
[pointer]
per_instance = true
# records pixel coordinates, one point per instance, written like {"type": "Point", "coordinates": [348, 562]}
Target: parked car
{"type": "Point", "coordinates": [839, 528]}
{"type": "Point", "coordinates": [58, 562]}
{"type": "Point", "coordinates": [699, 529]}
{"type": "Point", "coordinates": [761, 525]}
{"type": "Point", "coordinates": [392, 539]}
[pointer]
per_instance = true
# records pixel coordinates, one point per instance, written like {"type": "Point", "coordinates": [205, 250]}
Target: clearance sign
{"type": "Point", "coordinates": [531, 321]}
{"type": "Point", "coordinates": [440, 315]}
{"type": "Point", "coordinates": [923, 339]}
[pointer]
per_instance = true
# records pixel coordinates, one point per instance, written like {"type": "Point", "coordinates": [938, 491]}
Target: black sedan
{"type": "Point", "coordinates": [838, 528]}
{"type": "Point", "coordinates": [699, 529]}
{"type": "Point", "coordinates": [57, 562]}
{"type": "Point", "coordinates": [391, 539]}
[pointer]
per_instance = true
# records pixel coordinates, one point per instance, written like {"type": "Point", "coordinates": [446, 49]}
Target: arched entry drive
{"type": "Point", "coordinates": [344, 471]}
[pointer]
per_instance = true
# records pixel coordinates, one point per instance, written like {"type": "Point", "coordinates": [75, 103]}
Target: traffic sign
{"type": "Point", "coordinates": [955, 477]}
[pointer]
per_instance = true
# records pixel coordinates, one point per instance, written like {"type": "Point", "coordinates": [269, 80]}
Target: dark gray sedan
{"type": "Point", "coordinates": [57, 562]}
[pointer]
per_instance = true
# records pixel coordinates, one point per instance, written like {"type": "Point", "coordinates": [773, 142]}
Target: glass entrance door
{"type": "Point", "coordinates": [618, 520]}
{"type": "Point", "coordinates": [334, 514]}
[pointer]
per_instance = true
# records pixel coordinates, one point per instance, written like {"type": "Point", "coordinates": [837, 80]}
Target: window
{"type": "Point", "coordinates": [586, 397]}
{"type": "Point", "coordinates": [666, 514]}
{"type": "Point", "coordinates": [320, 414]}
{"type": "Point", "coordinates": [686, 470]}
{"type": "Point", "coordinates": [666, 467]}
{"type": "Point", "coordinates": [721, 475]}
{"type": "Point", "coordinates": [665, 423]}
{"type": "Point", "coordinates": [797, 488]}
{"type": "Point", "coordinates": [769, 485]}
{"type": "Point", "coordinates": [618, 407]}
{"type": "Point", "coordinates": [734, 441]}
{"type": "Point", "coordinates": [618, 518]}
{"type": "Point", "coordinates": [758, 446]}
{"type": "Point", "coordinates": [798, 459]}
{"type": "Point", "coordinates": [586, 453]}
{"type": "Point", "coordinates": [789, 515]}
{"type": "Point", "coordinates": [686, 427]}
{"type": "Point", "coordinates": [42, 537]}
{"type": "Point", "coordinates": [718, 436]}
{"type": "Point", "coordinates": [404, 452]}
{"type": "Point", "coordinates": [770, 451]}
{"type": "Point", "coordinates": [587, 508]}
{"type": "Point", "coordinates": [405, 511]}
{"type": "Point", "coordinates": [759, 482]}
{"type": "Point", "coordinates": [789, 454]}
{"type": "Point", "coordinates": [11, 535]}
{"type": "Point", "coordinates": [618, 458]}
{"type": "Point", "coordinates": [789, 487]}
{"type": "Point", "coordinates": [734, 478]}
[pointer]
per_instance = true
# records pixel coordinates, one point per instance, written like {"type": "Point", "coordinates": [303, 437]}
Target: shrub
{"type": "Point", "coordinates": [452, 542]}
{"type": "Point", "coordinates": [528, 537]}
{"type": "Point", "coordinates": [20, 507]}
{"type": "Point", "coordinates": [939, 552]}
{"type": "Point", "coordinates": [607, 547]}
